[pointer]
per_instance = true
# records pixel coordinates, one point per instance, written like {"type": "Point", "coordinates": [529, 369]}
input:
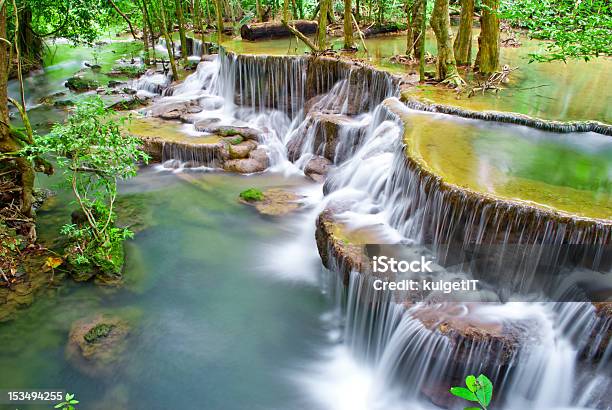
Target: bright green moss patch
{"type": "Point", "coordinates": [97, 332]}
{"type": "Point", "coordinates": [252, 195]}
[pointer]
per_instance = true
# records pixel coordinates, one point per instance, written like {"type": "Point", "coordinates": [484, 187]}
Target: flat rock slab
{"type": "Point", "coordinates": [228, 130]}
{"type": "Point", "coordinates": [276, 202]}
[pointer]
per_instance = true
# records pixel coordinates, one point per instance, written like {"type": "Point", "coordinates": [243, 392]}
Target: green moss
{"type": "Point", "coordinates": [235, 139]}
{"type": "Point", "coordinates": [97, 332]}
{"type": "Point", "coordinates": [252, 195]}
{"type": "Point", "coordinates": [130, 70]}
{"type": "Point", "coordinates": [81, 84]}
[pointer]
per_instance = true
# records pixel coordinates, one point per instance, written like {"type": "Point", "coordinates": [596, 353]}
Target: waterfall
{"type": "Point", "coordinates": [539, 355]}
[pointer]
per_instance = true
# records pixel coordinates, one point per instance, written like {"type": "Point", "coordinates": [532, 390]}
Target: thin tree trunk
{"type": "Point", "coordinates": [348, 25]}
{"type": "Point", "coordinates": [295, 31]}
{"type": "Point", "coordinates": [219, 14]}
{"type": "Point", "coordinates": [164, 28]}
{"type": "Point", "coordinates": [446, 67]}
{"type": "Point", "coordinates": [322, 34]}
{"type": "Point", "coordinates": [122, 14]}
{"type": "Point", "coordinates": [463, 42]}
{"type": "Point", "coordinates": [145, 41]}
{"type": "Point", "coordinates": [409, 31]}
{"type": "Point", "coordinates": [197, 6]}
{"type": "Point", "coordinates": [183, 37]}
{"type": "Point", "coordinates": [418, 28]}
{"type": "Point", "coordinates": [422, 29]}
{"type": "Point", "coordinates": [259, 10]}
{"type": "Point", "coordinates": [151, 31]}
{"type": "Point", "coordinates": [487, 59]}
{"type": "Point", "coordinates": [357, 11]}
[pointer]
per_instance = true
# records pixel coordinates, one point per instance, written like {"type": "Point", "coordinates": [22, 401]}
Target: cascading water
{"type": "Point", "coordinates": [293, 101]}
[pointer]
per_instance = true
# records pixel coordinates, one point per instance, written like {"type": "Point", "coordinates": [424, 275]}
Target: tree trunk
{"type": "Point", "coordinates": [183, 37]}
{"type": "Point", "coordinates": [409, 32]}
{"type": "Point", "coordinates": [322, 34]}
{"type": "Point", "coordinates": [145, 41]}
{"type": "Point", "coordinates": [219, 14]}
{"type": "Point", "coordinates": [150, 30]}
{"type": "Point", "coordinates": [463, 42]}
{"type": "Point", "coordinates": [487, 59]}
{"type": "Point", "coordinates": [259, 11]}
{"type": "Point", "coordinates": [164, 29]}
{"type": "Point", "coordinates": [348, 25]}
{"type": "Point", "coordinates": [197, 6]}
{"type": "Point", "coordinates": [446, 67]}
{"type": "Point", "coordinates": [357, 12]}
{"type": "Point", "coordinates": [418, 27]}
{"type": "Point", "coordinates": [8, 144]}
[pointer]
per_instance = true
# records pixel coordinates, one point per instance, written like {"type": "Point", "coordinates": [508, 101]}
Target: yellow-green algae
{"type": "Point", "coordinates": [515, 163]}
{"type": "Point", "coordinates": [168, 131]}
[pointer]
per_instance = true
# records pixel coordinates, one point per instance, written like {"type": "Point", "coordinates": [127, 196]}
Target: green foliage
{"type": "Point", "coordinates": [10, 252]}
{"type": "Point", "coordinates": [68, 403]}
{"type": "Point", "coordinates": [97, 332]}
{"type": "Point", "coordinates": [577, 29]}
{"type": "Point", "coordinates": [130, 70]}
{"type": "Point", "coordinates": [94, 154]}
{"type": "Point", "coordinates": [252, 195]}
{"type": "Point", "coordinates": [479, 389]}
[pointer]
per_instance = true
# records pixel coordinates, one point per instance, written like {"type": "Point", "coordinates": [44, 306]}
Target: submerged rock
{"type": "Point", "coordinates": [276, 202]}
{"type": "Point", "coordinates": [95, 344]}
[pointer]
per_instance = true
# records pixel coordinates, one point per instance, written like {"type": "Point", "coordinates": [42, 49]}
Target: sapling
{"type": "Point", "coordinates": [479, 389]}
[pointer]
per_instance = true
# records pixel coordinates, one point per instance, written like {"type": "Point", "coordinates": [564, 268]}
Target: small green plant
{"type": "Point", "coordinates": [98, 332]}
{"type": "Point", "coordinates": [479, 389]}
{"type": "Point", "coordinates": [94, 154]}
{"type": "Point", "coordinates": [252, 195]}
{"type": "Point", "coordinates": [68, 403]}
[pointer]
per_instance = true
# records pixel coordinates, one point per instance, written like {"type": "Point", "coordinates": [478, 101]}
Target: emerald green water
{"type": "Point", "coordinates": [211, 325]}
{"type": "Point", "coordinates": [567, 172]}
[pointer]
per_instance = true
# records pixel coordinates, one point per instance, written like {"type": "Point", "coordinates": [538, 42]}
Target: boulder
{"type": "Point", "coordinates": [174, 110]}
{"type": "Point", "coordinates": [241, 150]}
{"type": "Point", "coordinates": [325, 129]}
{"type": "Point", "coordinates": [206, 123]}
{"type": "Point", "coordinates": [80, 84]}
{"type": "Point", "coordinates": [317, 168]}
{"type": "Point", "coordinates": [260, 155]}
{"type": "Point", "coordinates": [96, 343]}
{"type": "Point", "coordinates": [243, 166]}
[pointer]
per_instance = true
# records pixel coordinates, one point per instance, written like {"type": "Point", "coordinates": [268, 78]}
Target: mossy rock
{"type": "Point", "coordinates": [63, 103]}
{"type": "Point", "coordinates": [96, 343]}
{"type": "Point", "coordinates": [271, 202]}
{"type": "Point", "coordinates": [79, 84]}
{"type": "Point", "coordinates": [105, 270]}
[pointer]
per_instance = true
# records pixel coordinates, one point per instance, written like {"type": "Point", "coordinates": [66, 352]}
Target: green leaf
{"type": "Point", "coordinates": [57, 406]}
{"type": "Point", "coordinates": [470, 382]}
{"type": "Point", "coordinates": [472, 408]}
{"type": "Point", "coordinates": [74, 402]}
{"type": "Point", "coordinates": [463, 393]}
{"type": "Point", "coordinates": [487, 388]}
{"type": "Point", "coordinates": [69, 396]}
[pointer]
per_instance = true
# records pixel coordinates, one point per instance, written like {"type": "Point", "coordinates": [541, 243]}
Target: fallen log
{"type": "Point", "coordinates": [383, 29]}
{"type": "Point", "coordinates": [276, 29]}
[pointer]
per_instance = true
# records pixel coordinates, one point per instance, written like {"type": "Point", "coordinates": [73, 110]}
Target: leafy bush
{"type": "Point", "coordinates": [94, 154]}
{"type": "Point", "coordinates": [252, 195]}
